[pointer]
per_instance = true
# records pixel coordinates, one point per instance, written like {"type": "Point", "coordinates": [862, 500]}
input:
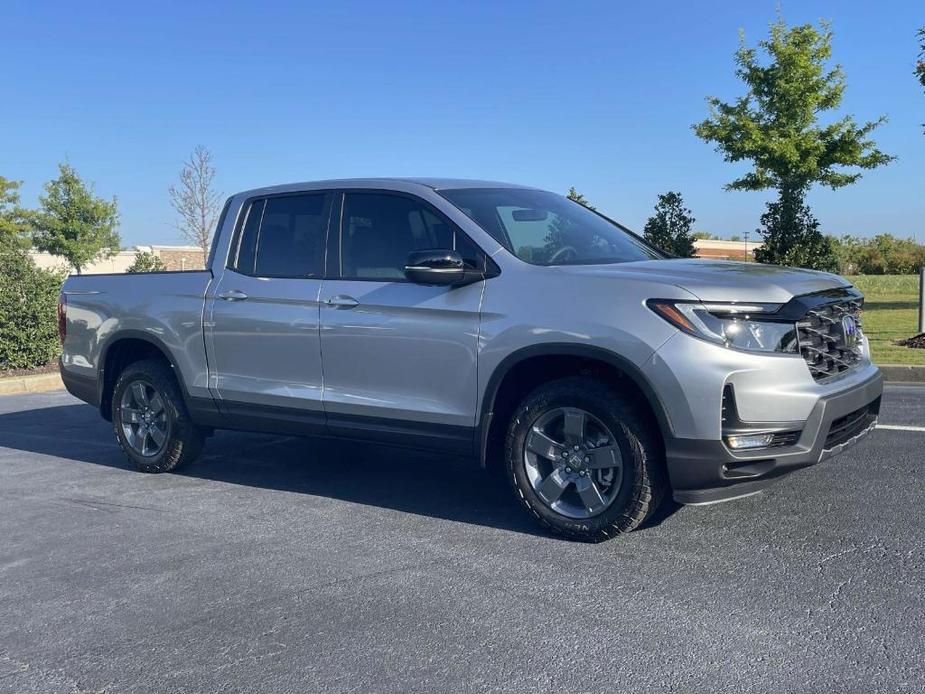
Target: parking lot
{"type": "Point", "coordinates": [288, 565]}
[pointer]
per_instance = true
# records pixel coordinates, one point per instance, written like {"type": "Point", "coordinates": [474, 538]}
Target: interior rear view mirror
{"type": "Point", "coordinates": [530, 215]}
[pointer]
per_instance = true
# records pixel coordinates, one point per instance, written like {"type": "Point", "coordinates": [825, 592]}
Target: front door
{"type": "Point", "coordinates": [263, 316]}
{"type": "Point", "coordinates": [399, 358]}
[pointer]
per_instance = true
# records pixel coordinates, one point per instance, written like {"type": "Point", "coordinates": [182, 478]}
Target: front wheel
{"type": "Point", "coordinates": [583, 460]}
{"type": "Point", "coordinates": [150, 419]}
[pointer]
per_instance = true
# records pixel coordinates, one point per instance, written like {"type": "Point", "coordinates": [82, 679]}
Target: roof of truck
{"type": "Point", "coordinates": [434, 183]}
{"type": "Point", "coordinates": [450, 183]}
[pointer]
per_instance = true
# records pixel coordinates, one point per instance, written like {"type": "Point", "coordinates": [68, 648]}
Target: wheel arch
{"type": "Point", "coordinates": [125, 348]}
{"type": "Point", "coordinates": [564, 359]}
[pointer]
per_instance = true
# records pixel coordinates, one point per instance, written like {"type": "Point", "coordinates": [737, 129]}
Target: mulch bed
{"type": "Point", "coordinates": [916, 342]}
{"type": "Point", "coordinates": [47, 369]}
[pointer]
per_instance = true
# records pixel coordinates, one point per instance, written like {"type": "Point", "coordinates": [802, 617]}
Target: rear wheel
{"type": "Point", "coordinates": [150, 419]}
{"type": "Point", "coordinates": [583, 460]}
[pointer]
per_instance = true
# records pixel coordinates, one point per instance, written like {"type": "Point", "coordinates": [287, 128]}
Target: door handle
{"type": "Point", "coordinates": [342, 301]}
{"type": "Point", "coordinates": [232, 295]}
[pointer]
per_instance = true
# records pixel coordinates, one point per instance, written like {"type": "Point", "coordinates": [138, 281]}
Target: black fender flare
{"type": "Point", "coordinates": [625, 366]}
{"type": "Point", "coordinates": [196, 406]}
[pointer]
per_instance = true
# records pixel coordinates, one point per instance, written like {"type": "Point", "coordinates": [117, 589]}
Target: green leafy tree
{"type": "Point", "coordinates": [847, 250]}
{"type": "Point", "coordinates": [776, 126]}
{"type": "Point", "coordinates": [670, 227]}
{"type": "Point", "coordinates": [14, 220]}
{"type": "Point", "coordinates": [920, 64]}
{"type": "Point", "coordinates": [73, 223]}
{"type": "Point", "coordinates": [735, 237]}
{"type": "Point", "coordinates": [704, 236]}
{"type": "Point", "coordinates": [28, 301]}
{"type": "Point", "coordinates": [146, 262]}
{"type": "Point", "coordinates": [792, 237]}
{"type": "Point", "coordinates": [885, 254]}
{"type": "Point", "coordinates": [575, 196]}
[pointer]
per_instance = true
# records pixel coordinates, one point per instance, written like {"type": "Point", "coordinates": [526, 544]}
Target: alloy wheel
{"type": "Point", "coordinates": [144, 419]}
{"type": "Point", "coordinates": [573, 462]}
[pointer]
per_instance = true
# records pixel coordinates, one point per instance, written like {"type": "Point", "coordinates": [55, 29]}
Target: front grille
{"type": "Point", "coordinates": [822, 340]}
{"type": "Point", "coordinates": [849, 426]}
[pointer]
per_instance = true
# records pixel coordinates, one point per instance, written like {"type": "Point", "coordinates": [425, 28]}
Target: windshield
{"type": "Point", "coordinates": [547, 229]}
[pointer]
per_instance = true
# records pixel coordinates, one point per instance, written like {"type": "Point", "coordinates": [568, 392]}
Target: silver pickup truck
{"type": "Point", "coordinates": [495, 321]}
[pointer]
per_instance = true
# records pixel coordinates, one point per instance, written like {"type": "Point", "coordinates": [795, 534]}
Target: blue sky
{"type": "Point", "coordinates": [599, 95]}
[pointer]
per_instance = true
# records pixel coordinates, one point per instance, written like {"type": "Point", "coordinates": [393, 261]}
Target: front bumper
{"type": "Point", "coordinates": [706, 471]}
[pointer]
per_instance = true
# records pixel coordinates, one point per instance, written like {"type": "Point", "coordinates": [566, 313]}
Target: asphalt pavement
{"type": "Point", "coordinates": [294, 565]}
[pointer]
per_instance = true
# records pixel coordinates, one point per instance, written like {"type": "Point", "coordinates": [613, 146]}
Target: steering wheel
{"type": "Point", "coordinates": [561, 252]}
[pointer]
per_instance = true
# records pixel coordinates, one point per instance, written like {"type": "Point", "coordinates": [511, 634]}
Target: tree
{"type": "Point", "coordinates": [920, 65]}
{"type": "Point", "coordinates": [735, 237]}
{"type": "Point", "coordinates": [73, 223]}
{"type": "Point", "coordinates": [776, 126]}
{"type": "Point", "coordinates": [848, 250]}
{"type": "Point", "coordinates": [14, 221]}
{"type": "Point", "coordinates": [792, 237]}
{"type": "Point", "coordinates": [670, 227]}
{"type": "Point", "coordinates": [575, 196]}
{"type": "Point", "coordinates": [884, 254]}
{"type": "Point", "coordinates": [195, 201]}
{"type": "Point", "coordinates": [146, 262]}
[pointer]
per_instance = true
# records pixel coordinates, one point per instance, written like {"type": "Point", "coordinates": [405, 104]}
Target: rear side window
{"type": "Point", "coordinates": [283, 236]}
{"type": "Point", "coordinates": [380, 230]}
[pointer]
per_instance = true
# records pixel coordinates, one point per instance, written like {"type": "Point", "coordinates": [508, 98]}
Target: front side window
{"type": "Point", "coordinates": [283, 236]}
{"type": "Point", "coordinates": [547, 229]}
{"type": "Point", "coordinates": [380, 230]}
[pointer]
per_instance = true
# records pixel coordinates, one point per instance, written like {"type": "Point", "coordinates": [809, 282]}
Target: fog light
{"type": "Point", "coordinates": [749, 441]}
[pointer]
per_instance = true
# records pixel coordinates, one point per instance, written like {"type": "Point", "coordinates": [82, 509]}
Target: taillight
{"type": "Point", "coordinates": [62, 317]}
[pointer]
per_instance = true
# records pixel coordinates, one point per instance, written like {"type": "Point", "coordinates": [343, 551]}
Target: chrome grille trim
{"type": "Point", "coordinates": [819, 335]}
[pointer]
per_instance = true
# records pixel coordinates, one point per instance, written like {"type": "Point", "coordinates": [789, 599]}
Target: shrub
{"type": "Point", "coordinates": [146, 262]}
{"type": "Point", "coordinates": [883, 254]}
{"type": "Point", "coordinates": [28, 312]}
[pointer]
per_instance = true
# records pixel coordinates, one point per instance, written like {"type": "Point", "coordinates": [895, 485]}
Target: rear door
{"type": "Point", "coordinates": [399, 358]}
{"type": "Point", "coordinates": [263, 316]}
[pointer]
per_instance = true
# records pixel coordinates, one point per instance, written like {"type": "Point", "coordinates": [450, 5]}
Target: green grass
{"type": "Point", "coordinates": [890, 313]}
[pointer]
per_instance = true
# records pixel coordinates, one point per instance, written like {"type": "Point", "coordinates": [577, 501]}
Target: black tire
{"type": "Point", "coordinates": [183, 438]}
{"type": "Point", "coordinates": [642, 483]}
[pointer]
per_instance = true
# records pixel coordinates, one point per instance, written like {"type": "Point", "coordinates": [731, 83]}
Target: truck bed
{"type": "Point", "coordinates": [165, 308]}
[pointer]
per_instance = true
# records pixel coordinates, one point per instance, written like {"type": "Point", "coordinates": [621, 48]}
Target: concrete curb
{"type": "Point", "coordinates": [902, 373]}
{"type": "Point", "coordinates": [39, 383]}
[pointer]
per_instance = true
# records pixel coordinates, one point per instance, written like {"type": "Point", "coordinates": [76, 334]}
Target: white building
{"type": "Point", "coordinates": [174, 257]}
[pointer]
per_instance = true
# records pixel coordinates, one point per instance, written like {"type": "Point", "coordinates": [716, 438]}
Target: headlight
{"type": "Point", "coordinates": [750, 327]}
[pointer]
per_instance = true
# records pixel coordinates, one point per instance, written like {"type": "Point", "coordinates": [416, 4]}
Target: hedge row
{"type": "Point", "coordinates": [28, 312]}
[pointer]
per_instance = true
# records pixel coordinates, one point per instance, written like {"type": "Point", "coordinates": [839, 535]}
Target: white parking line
{"type": "Point", "coordinates": [899, 427]}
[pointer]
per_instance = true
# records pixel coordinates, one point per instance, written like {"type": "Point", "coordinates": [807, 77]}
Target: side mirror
{"type": "Point", "coordinates": [437, 266]}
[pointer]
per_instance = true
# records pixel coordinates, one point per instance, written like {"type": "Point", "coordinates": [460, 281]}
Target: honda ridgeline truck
{"type": "Point", "coordinates": [483, 319]}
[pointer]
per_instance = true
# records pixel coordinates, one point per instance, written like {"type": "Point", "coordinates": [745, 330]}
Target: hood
{"type": "Point", "coordinates": [720, 280]}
